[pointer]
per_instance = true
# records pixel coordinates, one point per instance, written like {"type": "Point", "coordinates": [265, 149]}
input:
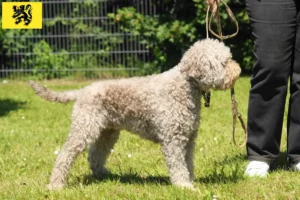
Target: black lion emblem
{"type": "Point", "coordinates": [22, 12]}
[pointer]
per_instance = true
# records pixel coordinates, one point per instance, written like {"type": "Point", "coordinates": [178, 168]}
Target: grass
{"type": "Point", "coordinates": [33, 130]}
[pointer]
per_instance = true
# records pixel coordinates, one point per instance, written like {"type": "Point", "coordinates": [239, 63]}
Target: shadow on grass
{"type": "Point", "coordinates": [238, 158]}
{"type": "Point", "coordinates": [220, 175]}
{"type": "Point", "coordinates": [127, 179]}
{"type": "Point", "coordinates": [8, 105]}
{"type": "Point", "coordinates": [217, 176]}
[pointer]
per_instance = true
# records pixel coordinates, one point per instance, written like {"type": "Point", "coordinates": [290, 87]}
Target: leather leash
{"type": "Point", "coordinates": [234, 104]}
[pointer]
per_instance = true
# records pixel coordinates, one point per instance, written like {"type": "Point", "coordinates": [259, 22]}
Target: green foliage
{"type": "Point", "coordinates": [53, 60]}
{"type": "Point", "coordinates": [167, 35]}
{"type": "Point", "coordinates": [164, 39]}
{"type": "Point", "coordinates": [9, 44]}
{"type": "Point", "coordinates": [47, 65]}
{"type": "Point", "coordinates": [170, 34]}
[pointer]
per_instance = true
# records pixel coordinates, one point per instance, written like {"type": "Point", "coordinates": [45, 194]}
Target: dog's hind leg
{"type": "Point", "coordinates": [84, 130]}
{"type": "Point", "coordinates": [175, 155]}
{"type": "Point", "coordinates": [100, 150]}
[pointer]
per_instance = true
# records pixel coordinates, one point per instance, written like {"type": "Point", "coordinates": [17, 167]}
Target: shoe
{"type": "Point", "coordinates": [258, 169]}
{"type": "Point", "coordinates": [296, 167]}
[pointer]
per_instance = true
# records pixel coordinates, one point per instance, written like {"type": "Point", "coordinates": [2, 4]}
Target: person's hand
{"type": "Point", "coordinates": [212, 4]}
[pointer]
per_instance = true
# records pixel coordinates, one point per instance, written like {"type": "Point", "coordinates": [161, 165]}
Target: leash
{"type": "Point", "coordinates": [235, 114]}
{"type": "Point", "coordinates": [215, 14]}
{"type": "Point", "coordinates": [234, 105]}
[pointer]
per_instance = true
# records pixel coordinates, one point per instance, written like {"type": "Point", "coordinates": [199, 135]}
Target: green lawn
{"type": "Point", "coordinates": [33, 130]}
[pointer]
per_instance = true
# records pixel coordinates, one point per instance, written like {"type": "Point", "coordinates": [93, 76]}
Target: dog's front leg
{"type": "Point", "coordinates": [100, 150]}
{"type": "Point", "coordinates": [190, 149]}
{"type": "Point", "coordinates": [175, 154]}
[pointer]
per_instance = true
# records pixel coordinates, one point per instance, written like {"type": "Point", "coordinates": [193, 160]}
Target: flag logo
{"type": "Point", "coordinates": [21, 15]}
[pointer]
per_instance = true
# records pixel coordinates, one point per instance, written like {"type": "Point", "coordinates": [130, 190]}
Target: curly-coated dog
{"type": "Point", "coordinates": [163, 108]}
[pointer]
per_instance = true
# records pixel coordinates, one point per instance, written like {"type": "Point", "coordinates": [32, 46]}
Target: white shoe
{"type": "Point", "coordinates": [258, 168]}
{"type": "Point", "coordinates": [296, 167]}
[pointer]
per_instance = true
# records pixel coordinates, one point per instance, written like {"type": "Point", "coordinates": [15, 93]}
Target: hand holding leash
{"type": "Point", "coordinates": [213, 4]}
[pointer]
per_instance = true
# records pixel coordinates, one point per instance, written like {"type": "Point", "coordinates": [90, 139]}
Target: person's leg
{"type": "Point", "coordinates": [274, 25]}
{"type": "Point", "coordinates": [293, 125]}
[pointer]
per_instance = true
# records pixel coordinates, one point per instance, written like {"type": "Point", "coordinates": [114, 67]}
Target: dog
{"type": "Point", "coordinates": [163, 108]}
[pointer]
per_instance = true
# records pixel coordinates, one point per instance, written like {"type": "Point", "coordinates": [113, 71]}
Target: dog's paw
{"type": "Point", "coordinates": [53, 187]}
{"type": "Point", "coordinates": [189, 186]}
{"type": "Point", "coordinates": [100, 172]}
{"type": "Point", "coordinates": [104, 170]}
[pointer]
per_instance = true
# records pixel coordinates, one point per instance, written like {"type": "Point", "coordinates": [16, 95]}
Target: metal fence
{"type": "Point", "coordinates": [78, 40]}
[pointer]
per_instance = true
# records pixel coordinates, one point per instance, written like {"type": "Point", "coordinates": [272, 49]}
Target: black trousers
{"type": "Point", "coordinates": [276, 29]}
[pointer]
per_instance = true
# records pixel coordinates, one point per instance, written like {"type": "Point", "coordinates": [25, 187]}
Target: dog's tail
{"type": "Point", "coordinates": [61, 97]}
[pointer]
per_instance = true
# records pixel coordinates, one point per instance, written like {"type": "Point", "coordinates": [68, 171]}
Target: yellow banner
{"type": "Point", "coordinates": [22, 15]}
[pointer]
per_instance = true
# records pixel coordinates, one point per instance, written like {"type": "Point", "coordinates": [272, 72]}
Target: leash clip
{"type": "Point", "coordinates": [206, 96]}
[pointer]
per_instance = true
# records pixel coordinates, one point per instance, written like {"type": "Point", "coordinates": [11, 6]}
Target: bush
{"type": "Point", "coordinates": [170, 34]}
{"type": "Point", "coordinates": [167, 35]}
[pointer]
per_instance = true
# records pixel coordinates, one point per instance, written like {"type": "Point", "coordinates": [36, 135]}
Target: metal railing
{"type": "Point", "coordinates": [78, 40]}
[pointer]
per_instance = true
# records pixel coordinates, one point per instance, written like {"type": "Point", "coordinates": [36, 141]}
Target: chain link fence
{"type": "Point", "coordinates": [78, 40]}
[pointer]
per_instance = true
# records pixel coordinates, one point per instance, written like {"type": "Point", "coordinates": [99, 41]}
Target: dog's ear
{"type": "Point", "coordinates": [199, 70]}
{"type": "Point", "coordinates": [210, 73]}
{"type": "Point", "coordinates": [206, 69]}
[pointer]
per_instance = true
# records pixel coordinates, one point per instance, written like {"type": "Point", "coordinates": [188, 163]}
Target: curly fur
{"type": "Point", "coordinates": [163, 108]}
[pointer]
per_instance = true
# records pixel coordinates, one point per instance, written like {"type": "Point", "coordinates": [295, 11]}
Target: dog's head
{"type": "Point", "coordinates": [209, 62]}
